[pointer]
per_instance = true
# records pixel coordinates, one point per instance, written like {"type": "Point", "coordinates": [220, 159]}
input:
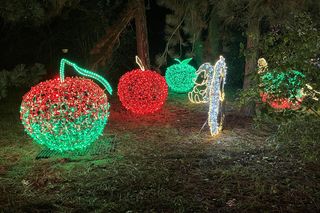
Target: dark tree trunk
{"type": "Point", "coordinates": [102, 51]}
{"type": "Point", "coordinates": [142, 34]}
{"type": "Point", "coordinates": [214, 36]}
{"type": "Point", "coordinates": [253, 34]}
{"type": "Point", "coordinates": [198, 51]}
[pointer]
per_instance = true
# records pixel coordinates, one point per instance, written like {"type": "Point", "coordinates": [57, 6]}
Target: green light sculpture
{"type": "Point", "coordinates": [180, 77]}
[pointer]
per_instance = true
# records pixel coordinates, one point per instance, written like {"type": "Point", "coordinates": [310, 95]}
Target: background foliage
{"type": "Point", "coordinates": [21, 76]}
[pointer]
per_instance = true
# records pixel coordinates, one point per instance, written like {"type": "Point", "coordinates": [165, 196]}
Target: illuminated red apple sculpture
{"type": "Point", "coordinates": [66, 114]}
{"type": "Point", "coordinates": [142, 91]}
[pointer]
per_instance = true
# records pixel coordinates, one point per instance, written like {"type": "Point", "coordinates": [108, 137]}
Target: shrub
{"type": "Point", "coordinates": [21, 76]}
{"type": "Point", "coordinates": [299, 137]}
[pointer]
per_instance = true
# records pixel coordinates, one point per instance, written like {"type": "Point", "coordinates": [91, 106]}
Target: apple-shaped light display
{"type": "Point", "coordinates": [66, 114]}
{"type": "Point", "coordinates": [142, 91]}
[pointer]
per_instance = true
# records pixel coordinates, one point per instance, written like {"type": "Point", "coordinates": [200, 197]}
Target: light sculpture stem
{"type": "Point", "coordinates": [139, 62]}
{"type": "Point", "coordinates": [83, 72]}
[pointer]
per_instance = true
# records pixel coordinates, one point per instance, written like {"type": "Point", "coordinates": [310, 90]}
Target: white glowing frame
{"type": "Point", "coordinates": [216, 96]}
{"type": "Point", "coordinates": [211, 90]}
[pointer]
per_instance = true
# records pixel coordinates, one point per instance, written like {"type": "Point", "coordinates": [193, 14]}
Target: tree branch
{"type": "Point", "coordinates": [103, 49]}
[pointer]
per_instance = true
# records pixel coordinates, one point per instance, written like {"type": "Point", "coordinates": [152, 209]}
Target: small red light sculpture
{"type": "Point", "coordinates": [142, 91]}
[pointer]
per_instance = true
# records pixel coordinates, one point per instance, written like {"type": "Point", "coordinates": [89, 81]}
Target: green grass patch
{"type": "Point", "coordinates": [159, 163]}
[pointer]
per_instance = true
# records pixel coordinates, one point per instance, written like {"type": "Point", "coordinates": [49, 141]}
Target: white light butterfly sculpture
{"type": "Point", "coordinates": [211, 90]}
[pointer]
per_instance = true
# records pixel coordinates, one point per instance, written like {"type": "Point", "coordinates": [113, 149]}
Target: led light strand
{"type": "Point", "coordinates": [140, 64]}
{"type": "Point", "coordinates": [200, 91]}
{"type": "Point", "coordinates": [216, 96]}
{"type": "Point", "coordinates": [314, 94]}
{"type": "Point", "coordinates": [180, 76]}
{"type": "Point", "coordinates": [84, 72]}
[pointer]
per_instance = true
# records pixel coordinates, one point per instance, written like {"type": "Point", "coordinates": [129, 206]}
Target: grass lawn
{"type": "Point", "coordinates": [156, 163]}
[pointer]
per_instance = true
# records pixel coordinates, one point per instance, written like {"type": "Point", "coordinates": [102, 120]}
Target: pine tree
{"type": "Point", "coordinates": [103, 49]}
{"type": "Point", "coordinates": [32, 11]}
{"type": "Point", "coordinates": [184, 29]}
{"type": "Point", "coordinates": [249, 14]}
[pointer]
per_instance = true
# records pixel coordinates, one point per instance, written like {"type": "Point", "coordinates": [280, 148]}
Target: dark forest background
{"type": "Point", "coordinates": [35, 31]}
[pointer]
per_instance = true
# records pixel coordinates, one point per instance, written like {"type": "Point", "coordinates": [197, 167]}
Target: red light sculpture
{"type": "Point", "coordinates": [142, 91]}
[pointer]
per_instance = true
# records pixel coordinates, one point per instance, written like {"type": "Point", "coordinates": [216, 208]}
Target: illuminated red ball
{"type": "Point", "coordinates": [142, 92]}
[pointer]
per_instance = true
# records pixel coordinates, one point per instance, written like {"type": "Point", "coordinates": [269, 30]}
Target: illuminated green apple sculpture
{"type": "Point", "coordinates": [180, 77]}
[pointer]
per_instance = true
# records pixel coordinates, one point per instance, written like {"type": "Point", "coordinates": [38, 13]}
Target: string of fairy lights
{"type": "Point", "coordinates": [200, 91]}
{"type": "Point", "coordinates": [85, 73]}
